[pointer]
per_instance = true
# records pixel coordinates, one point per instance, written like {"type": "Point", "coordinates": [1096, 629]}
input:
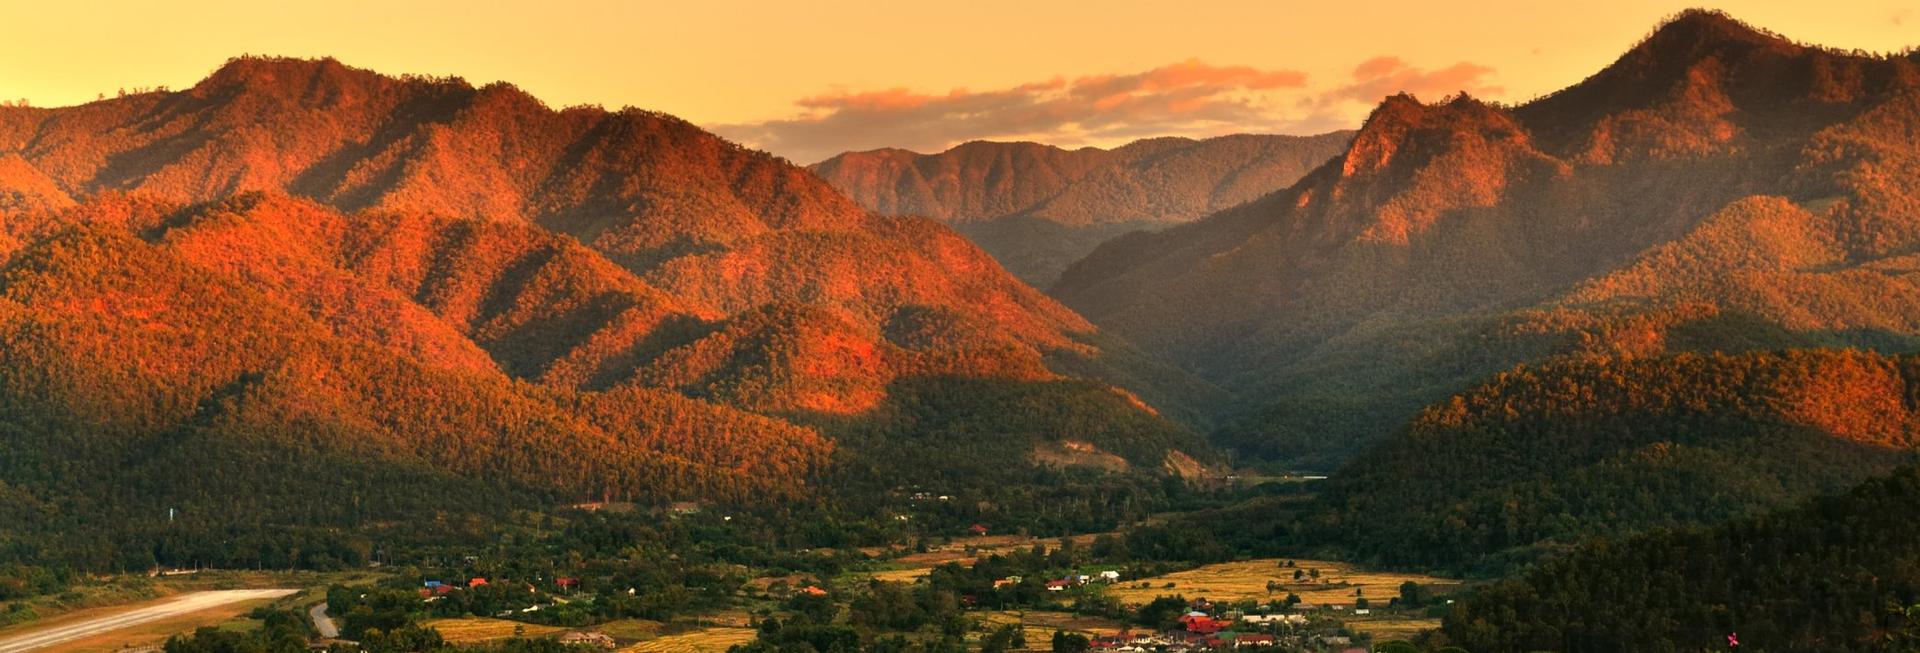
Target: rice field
{"type": "Point", "coordinates": [630, 629]}
{"type": "Point", "coordinates": [475, 630]}
{"type": "Point", "coordinates": [1038, 625]}
{"type": "Point", "coordinates": [1339, 583]}
{"type": "Point", "coordinates": [705, 640]}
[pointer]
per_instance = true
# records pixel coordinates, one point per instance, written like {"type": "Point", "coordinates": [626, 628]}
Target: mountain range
{"type": "Point", "coordinates": [1038, 208]}
{"type": "Point", "coordinates": [1717, 188]}
{"type": "Point", "coordinates": [326, 273]}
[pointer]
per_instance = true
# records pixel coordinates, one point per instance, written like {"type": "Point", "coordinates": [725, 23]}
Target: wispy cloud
{"type": "Point", "coordinates": [1188, 98]}
{"type": "Point", "coordinates": [1379, 77]}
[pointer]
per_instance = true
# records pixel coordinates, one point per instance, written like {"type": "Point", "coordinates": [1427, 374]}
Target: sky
{"type": "Point", "coordinates": [810, 79]}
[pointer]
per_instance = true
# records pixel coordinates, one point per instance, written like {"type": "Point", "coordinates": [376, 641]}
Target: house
{"type": "Point", "coordinates": [444, 590]}
{"type": "Point", "coordinates": [1058, 585]}
{"type": "Point", "coordinates": [1361, 611]}
{"type": "Point", "coordinates": [813, 591]}
{"type": "Point", "coordinates": [1291, 619]}
{"type": "Point", "coordinates": [1199, 622]}
{"type": "Point", "coordinates": [476, 582]}
{"type": "Point", "coordinates": [596, 640]}
{"type": "Point", "coordinates": [1110, 576]}
{"type": "Point", "coordinates": [567, 583]}
{"type": "Point", "coordinates": [1006, 582]}
{"type": "Point", "coordinates": [977, 529]}
{"type": "Point", "coordinates": [433, 584]}
{"type": "Point", "coordinates": [1253, 639]}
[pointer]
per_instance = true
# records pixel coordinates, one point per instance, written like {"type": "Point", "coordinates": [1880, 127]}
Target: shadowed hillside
{"type": "Point", "coordinates": [321, 272]}
{"type": "Point", "coordinates": [1038, 208]}
{"type": "Point", "coordinates": [1715, 188]}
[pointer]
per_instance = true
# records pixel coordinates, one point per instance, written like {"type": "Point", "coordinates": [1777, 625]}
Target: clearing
{"type": "Point", "coordinates": [108, 629]}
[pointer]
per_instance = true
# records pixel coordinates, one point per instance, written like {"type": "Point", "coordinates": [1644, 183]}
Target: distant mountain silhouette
{"type": "Point", "coordinates": [1038, 208]}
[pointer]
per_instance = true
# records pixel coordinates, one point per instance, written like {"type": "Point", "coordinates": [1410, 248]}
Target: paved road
{"type": "Point", "coordinates": [42, 638]}
{"type": "Point", "coordinates": [324, 623]}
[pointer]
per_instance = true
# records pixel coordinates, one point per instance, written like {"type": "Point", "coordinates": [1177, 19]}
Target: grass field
{"type": "Point", "coordinates": [1038, 625]}
{"type": "Point", "coordinates": [152, 633]}
{"type": "Point", "coordinates": [705, 640]}
{"type": "Point", "coordinates": [1339, 584]}
{"type": "Point", "coordinates": [631, 629]}
{"type": "Point", "coordinates": [963, 550]}
{"type": "Point", "coordinates": [474, 630]}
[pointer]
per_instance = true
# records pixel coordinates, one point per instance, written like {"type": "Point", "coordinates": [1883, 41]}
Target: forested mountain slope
{"type": "Point", "coordinates": [1038, 208]}
{"type": "Point", "coordinates": [1717, 187]}
{"type": "Point", "coordinates": [298, 273]}
{"type": "Point", "coordinates": [1836, 574]}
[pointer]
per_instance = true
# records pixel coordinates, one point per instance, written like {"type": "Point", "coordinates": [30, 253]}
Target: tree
{"type": "Point", "coordinates": [1003, 639]}
{"type": "Point", "coordinates": [1412, 595]}
{"type": "Point", "coordinates": [1065, 642]}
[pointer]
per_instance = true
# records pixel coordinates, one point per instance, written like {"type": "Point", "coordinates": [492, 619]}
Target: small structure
{"type": "Point", "coordinates": [1200, 623]}
{"type": "Point", "coordinates": [976, 529]}
{"type": "Point", "coordinates": [1253, 639]}
{"type": "Point", "coordinates": [568, 584]}
{"type": "Point", "coordinates": [1110, 576]}
{"type": "Point", "coordinates": [582, 638]}
{"type": "Point", "coordinates": [1058, 585]}
{"type": "Point", "coordinates": [813, 591]}
{"type": "Point", "coordinates": [477, 582]}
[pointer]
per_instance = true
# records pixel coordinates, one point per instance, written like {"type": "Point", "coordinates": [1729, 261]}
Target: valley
{"type": "Point", "coordinates": [308, 356]}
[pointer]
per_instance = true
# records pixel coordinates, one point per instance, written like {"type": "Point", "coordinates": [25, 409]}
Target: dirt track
{"type": "Point", "coordinates": [41, 638]}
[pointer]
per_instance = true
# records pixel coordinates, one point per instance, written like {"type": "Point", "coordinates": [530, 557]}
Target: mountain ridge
{"type": "Point", "coordinates": [1463, 237]}
{"type": "Point", "coordinates": [596, 273]}
{"type": "Point", "coordinates": [1037, 207]}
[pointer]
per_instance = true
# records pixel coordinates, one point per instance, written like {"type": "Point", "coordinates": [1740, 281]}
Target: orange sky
{"type": "Point", "coordinates": [806, 79]}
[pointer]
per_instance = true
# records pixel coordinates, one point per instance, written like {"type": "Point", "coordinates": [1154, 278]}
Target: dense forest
{"type": "Point", "coordinates": [1840, 573]}
{"type": "Point", "coordinates": [1713, 175]}
{"type": "Point", "coordinates": [260, 321]}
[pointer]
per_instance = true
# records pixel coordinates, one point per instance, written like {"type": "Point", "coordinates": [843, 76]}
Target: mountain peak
{"type": "Point", "coordinates": [1401, 122]}
{"type": "Point", "coordinates": [1695, 33]}
{"type": "Point", "coordinates": [324, 79]}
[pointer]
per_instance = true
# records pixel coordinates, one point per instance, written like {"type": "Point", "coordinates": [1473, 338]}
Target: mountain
{"type": "Point", "coordinates": [1545, 456]}
{"type": "Point", "coordinates": [325, 273]}
{"type": "Point", "coordinates": [1038, 208]}
{"type": "Point", "coordinates": [1834, 574]}
{"type": "Point", "coordinates": [1716, 188]}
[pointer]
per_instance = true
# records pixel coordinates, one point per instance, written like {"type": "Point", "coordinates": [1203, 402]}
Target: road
{"type": "Point", "coordinates": [324, 623]}
{"type": "Point", "coordinates": [42, 638]}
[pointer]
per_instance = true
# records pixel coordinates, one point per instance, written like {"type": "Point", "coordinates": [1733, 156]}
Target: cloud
{"type": "Point", "coordinates": [1379, 77]}
{"type": "Point", "coordinates": [1188, 98]}
{"type": "Point", "coordinates": [1182, 98]}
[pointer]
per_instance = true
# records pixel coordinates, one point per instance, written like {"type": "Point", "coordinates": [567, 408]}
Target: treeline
{"type": "Point", "coordinates": [1840, 573]}
{"type": "Point", "coordinates": [1547, 455]}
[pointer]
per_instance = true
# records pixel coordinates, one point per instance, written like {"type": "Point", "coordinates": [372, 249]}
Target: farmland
{"type": "Point", "coordinates": [472, 630]}
{"type": "Point", "coordinates": [705, 640]}
{"type": "Point", "coordinates": [1338, 583]}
